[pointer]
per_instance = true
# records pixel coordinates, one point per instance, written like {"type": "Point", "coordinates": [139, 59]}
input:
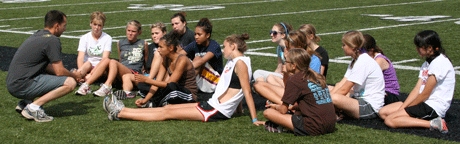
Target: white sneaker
{"type": "Point", "coordinates": [439, 124]}
{"type": "Point", "coordinates": [83, 90]}
{"type": "Point", "coordinates": [103, 91]}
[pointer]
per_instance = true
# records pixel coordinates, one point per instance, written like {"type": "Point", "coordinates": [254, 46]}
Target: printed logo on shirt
{"type": "Point", "coordinates": [95, 51]}
{"type": "Point", "coordinates": [135, 56]}
{"type": "Point", "coordinates": [227, 69]}
{"type": "Point", "coordinates": [322, 96]}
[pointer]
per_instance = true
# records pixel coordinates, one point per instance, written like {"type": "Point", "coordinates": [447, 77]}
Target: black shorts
{"type": "Point", "coordinates": [422, 111]}
{"type": "Point", "coordinates": [209, 113]}
{"type": "Point", "coordinates": [299, 129]}
{"type": "Point", "coordinates": [173, 93]}
{"type": "Point", "coordinates": [391, 98]}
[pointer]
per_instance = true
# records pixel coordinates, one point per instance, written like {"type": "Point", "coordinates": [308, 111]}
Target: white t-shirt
{"type": "Point", "coordinates": [443, 92]}
{"type": "Point", "coordinates": [369, 81]}
{"type": "Point", "coordinates": [94, 48]}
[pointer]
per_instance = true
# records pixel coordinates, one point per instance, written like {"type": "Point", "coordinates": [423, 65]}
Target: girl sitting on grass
{"type": "Point", "coordinates": [389, 73]}
{"type": "Point", "coordinates": [361, 92]}
{"type": "Point", "coordinates": [314, 111]}
{"type": "Point", "coordinates": [232, 87]}
{"type": "Point", "coordinates": [432, 95]}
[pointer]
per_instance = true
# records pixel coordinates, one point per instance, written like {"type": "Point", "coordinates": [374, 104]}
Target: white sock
{"type": "Point", "coordinates": [127, 92]}
{"type": "Point", "coordinates": [34, 107]}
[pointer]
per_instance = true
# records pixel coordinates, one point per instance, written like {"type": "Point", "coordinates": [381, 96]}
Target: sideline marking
{"type": "Point", "coordinates": [111, 12]}
{"type": "Point", "coordinates": [59, 5]}
{"type": "Point", "coordinates": [256, 49]}
{"type": "Point", "coordinates": [406, 61]}
{"type": "Point", "coordinates": [308, 11]}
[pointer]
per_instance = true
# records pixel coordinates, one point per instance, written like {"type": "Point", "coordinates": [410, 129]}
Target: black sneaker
{"type": "Point", "coordinates": [22, 104]}
{"type": "Point", "coordinates": [120, 94]}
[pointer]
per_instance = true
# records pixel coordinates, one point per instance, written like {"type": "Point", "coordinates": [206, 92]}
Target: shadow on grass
{"type": "Point", "coordinates": [7, 53]}
{"type": "Point", "coordinates": [70, 108]}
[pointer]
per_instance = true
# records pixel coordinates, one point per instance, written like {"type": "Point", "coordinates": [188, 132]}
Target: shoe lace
{"type": "Point", "coordinates": [41, 114]}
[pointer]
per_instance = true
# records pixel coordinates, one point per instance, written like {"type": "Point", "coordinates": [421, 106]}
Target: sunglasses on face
{"type": "Point", "coordinates": [275, 32]}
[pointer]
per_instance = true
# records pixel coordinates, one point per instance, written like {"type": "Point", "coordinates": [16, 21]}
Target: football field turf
{"type": "Point", "coordinates": [393, 23]}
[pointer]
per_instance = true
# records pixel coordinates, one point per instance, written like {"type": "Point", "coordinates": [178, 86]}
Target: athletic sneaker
{"type": "Point", "coordinates": [22, 104]}
{"type": "Point", "coordinates": [83, 90]}
{"type": "Point", "coordinates": [103, 91]}
{"type": "Point", "coordinates": [439, 124]}
{"type": "Point", "coordinates": [38, 115]}
{"type": "Point", "coordinates": [274, 128]}
{"type": "Point", "coordinates": [112, 106]}
{"type": "Point", "coordinates": [121, 94]}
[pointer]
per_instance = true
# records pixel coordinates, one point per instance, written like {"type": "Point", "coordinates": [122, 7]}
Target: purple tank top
{"type": "Point", "coordinates": [391, 80]}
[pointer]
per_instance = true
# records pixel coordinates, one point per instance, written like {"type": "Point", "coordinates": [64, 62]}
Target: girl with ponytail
{"type": "Point", "coordinates": [361, 92]}
{"type": "Point", "coordinates": [307, 95]}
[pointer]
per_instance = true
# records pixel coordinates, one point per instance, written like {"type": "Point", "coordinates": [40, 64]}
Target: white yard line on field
{"type": "Point", "coordinates": [278, 14]}
{"type": "Point", "coordinates": [405, 61]}
{"type": "Point", "coordinates": [122, 11]}
{"type": "Point", "coordinates": [72, 4]}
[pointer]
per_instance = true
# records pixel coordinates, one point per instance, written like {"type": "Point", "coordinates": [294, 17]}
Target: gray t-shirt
{"type": "Point", "coordinates": [31, 59]}
{"type": "Point", "coordinates": [132, 54]}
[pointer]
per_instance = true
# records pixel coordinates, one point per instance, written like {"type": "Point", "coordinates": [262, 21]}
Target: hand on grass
{"type": "Point", "coordinates": [258, 123]}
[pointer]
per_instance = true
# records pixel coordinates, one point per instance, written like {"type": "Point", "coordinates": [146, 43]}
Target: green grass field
{"type": "Point", "coordinates": [78, 119]}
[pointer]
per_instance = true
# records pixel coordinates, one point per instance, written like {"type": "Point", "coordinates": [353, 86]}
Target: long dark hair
{"type": "Point", "coordinates": [427, 38]}
{"type": "Point", "coordinates": [370, 44]}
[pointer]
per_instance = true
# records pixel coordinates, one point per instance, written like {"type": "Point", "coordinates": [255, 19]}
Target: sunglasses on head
{"type": "Point", "coordinates": [275, 32]}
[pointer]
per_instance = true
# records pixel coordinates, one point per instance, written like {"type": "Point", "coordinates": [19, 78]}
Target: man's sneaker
{"type": "Point", "coordinates": [439, 124]}
{"type": "Point", "coordinates": [103, 91]}
{"type": "Point", "coordinates": [274, 128]}
{"type": "Point", "coordinates": [83, 90]}
{"type": "Point", "coordinates": [121, 94]}
{"type": "Point", "coordinates": [22, 104]}
{"type": "Point", "coordinates": [38, 115]}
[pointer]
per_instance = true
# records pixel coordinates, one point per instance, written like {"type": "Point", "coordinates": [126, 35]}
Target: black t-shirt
{"type": "Point", "coordinates": [216, 62]}
{"type": "Point", "coordinates": [152, 48]}
{"type": "Point", "coordinates": [32, 58]}
{"type": "Point", "coordinates": [324, 58]}
{"type": "Point", "coordinates": [314, 102]}
{"type": "Point", "coordinates": [187, 38]}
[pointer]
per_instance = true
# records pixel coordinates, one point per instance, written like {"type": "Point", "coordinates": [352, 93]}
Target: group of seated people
{"type": "Point", "coordinates": [170, 73]}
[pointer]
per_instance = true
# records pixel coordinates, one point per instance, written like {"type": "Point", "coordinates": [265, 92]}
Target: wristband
{"type": "Point", "coordinates": [254, 120]}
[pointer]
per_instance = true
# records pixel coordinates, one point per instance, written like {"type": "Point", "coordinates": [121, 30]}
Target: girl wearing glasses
{"type": "Point", "coordinates": [314, 111]}
{"type": "Point", "coordinates": [273, 89]}
{"type": "Point", "coordinates": [232, 87]}
{"type": "Point", "coordinates": [361, 92]}
{"type": "Point", "coordinates": [277, 34]}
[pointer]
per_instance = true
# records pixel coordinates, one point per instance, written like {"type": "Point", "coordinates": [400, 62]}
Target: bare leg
{"type": "Point", "coordinates": [400, 119]}
{"type": "Point", "coordinates": [128, 80]}
{"type": "Point", "coordinates": [169, 112]}
{"type": "Point", "coordinates": [98, 71]}
{"type": "Point", "coordinates": [67, 87]}
{"type": "Point", "coordinates": [279, 118]}
{"type": "Point", "coordinates": [270, 92]}
{"type": "Point", "coordinates": [349, 105]}
{"type": "Point", "coordinates": [389, 109]}
{"type": "Point", "coordinates": [276, 81]}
